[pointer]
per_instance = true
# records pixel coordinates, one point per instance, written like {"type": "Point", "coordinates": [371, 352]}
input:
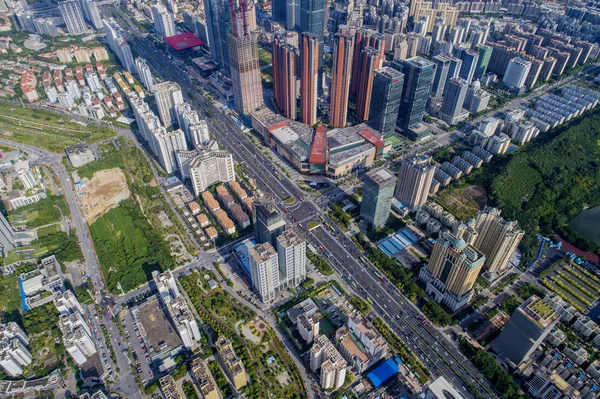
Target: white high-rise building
{"type": "Point", "coordinates": [163, 21]}
{"type": "Point", "coordinates": [414, 180]}
{"type": "Point", "coordinates": [77, 337]}
{"type": "Point", "coordinates": [264, 271]}
{"type": "Point", "coordinates": [206, 166]}
{"type": "Point", "coordinates": [166, 284]}
{"type": "Point", "coordinates": [143, 70]}
{"type": "Point", "coordinates": [199, 133]}
{"type": "Point", "coordinates": [27, 175]}
{"type": "Point", "coordinates": [14, 354]}
{"type": "Point", "coordinates": [291, 251]}
{"type": "Point", "coordinates": [168, 96]}
{"type": "Point", "coordinates": [67, 304]}
{"type": "Point", "coordinates": [118, 44]}
{"type": "Point", "coordinates": [73, 17]}
{"type": "Point", "coordinates": [91, 13]}
{"type": "Point", "coordinates": [516, 73]}
{"type": "Point", "coordinates": [167, 144]}
{"type": "Point", "coordinates": [324, 356]}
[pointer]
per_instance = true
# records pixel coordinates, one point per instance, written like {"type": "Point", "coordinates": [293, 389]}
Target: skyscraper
{"type": "Point", "coordinates": [497, 239]}
{"type": "Point", "coordinates": [166, 145]}
{"type": "Point", "coordinates": [225, 26]}
{"type": "Point", "coordinates": [91, 13]}
{"type": "Point", "coordinates": [309, 78]}
{"type": "Point", "coordinates": [378, 192]}
{"type": "Point", "coordinates": [285, 79]}
{"type": "Point", "coordinates": [485, 52]}
{"type": "Point", "coordinates": [163, 21]}
{"type": "Point", "coordinates": [264, 271]}
{"type": "Point", "coordinates": [7, 236]}
{"type": "Point", "coordinates": [453, 100]}
{"type": "Point", "coordinates": [292, 14]}
{"type": "Point", "coordinates": [385, 100]}
{"type": "Point", "coordinates": [516, 73]}
{"type": "Point", "coordinates": [168, 96]}
{"type": "Point", "coordinates": [451, 271]}
{"type": "Point", "coordinates": [73, 17]}
{"type": "Point", "coordinates": [143, 70]}
{"type": "Point", "coordinates": [244, 64]}
{"type": "Point", "coordinates": [291, 252]}
{"type": "Point", "coordinates": [340, 79]}
{"type": "Point", "coordinates": [527, 328]}
{"type": "Point", "coordinates": [279, 11]}
{"type": "Point", "coordinates": [363, 38]}
{"type": "Point", "coordinates": [469, 60]}
{"type": "Point", "coordinates": [371, 60]}
{"type": "Point", "coordinates": [414, 180]}
{"type": "Point", "coordinates": [268, 223]}
{"type": "Point", "coordinates": [211, 11]}
{"type": "Point", "coordinates": [118, 44]}
{"type": "Point", "coordinates": [312, 20]}
{"type": "Point", "coordinates": [418, 76]}
{"type": "Point", "coordinates": [442, 66]}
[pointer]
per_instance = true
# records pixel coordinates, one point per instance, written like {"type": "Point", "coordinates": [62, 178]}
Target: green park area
{"type": "Point", "coordinates": [48, 130]}
{"type": "Point", "coordinates": [272, 372]}
{"type": "Point", "coordinates": [574, 284]}
{"type": "Point", "coordinates": [264, 57]}
{"type": "Point", "coordinates": [46, 211]}
{"type": "Point", "coordinates": [463, 202]}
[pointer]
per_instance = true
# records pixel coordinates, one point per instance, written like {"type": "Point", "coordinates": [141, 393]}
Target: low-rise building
{"type": "Point", "coordinates": [585, 326]}
{"type": "Point", "coordinates": [224, 221]}
{"type": "Point", "coordinates": [40, 284]}
{"type": "Point", "coordinates": [168, 386]}
{"type": "Point", "coordinates": [204, 380]}
{"type": "Point", "coordinates": [234, 365]}
{"type": "Point", "coordinates": [79, 154]}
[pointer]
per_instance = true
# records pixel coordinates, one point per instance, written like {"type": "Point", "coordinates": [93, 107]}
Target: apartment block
{"type": "Point", "coordinates": [234, 365]}
{"type": "Point", "coordinates": [324, 356]}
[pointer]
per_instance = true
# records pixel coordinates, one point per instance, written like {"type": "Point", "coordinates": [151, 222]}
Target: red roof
{"type": "Point", "coordinates": [317, 151]}
{"type": "Point", "coordinates": [372, 138]}
{"type": "Point", "coordinates": [278, 125]}
{"type": "Point", "coordinates": [183, 41]}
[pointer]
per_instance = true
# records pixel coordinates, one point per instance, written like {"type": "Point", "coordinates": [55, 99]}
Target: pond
{"type": "Point", "coordinates": [587, 223]}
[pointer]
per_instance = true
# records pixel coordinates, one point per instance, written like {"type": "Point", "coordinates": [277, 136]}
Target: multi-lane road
{"type": "Point", "coordinates": [434, 349]}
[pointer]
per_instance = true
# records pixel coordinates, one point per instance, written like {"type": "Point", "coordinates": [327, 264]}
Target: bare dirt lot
{"type": "Point", "coordinates": [103, 192]}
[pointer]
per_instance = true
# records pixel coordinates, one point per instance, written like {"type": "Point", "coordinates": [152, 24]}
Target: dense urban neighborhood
{"type": "Point", "coordinates": [299, 199]}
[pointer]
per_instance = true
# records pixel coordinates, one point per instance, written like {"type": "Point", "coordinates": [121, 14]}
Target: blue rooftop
{"type": "Point", "coordinates": [383, 373]}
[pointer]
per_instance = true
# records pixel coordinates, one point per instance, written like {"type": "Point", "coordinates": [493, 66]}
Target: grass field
{"type": "Point", "coordinates": [463, 203]}
{"type": "Point", "coordinates": [265, 57]}
{"type": "Point", "coordinates": [45, 129]}
{"type": "Point", "coordinates": [9, 297]}
{"type": "Point", "coordinates": [395, 140]}
{"type": "Point", "coordinates": [43, 212]}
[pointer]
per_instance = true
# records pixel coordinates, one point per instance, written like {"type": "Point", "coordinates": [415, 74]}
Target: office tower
{"type": "Point", "coordinates": [340, 79]}
{"type": "Point", "coordinates": [309, 78]}
{"type": "Point", "coordinates": [469, 60]}
{"type": "Point", "coordinates": [143, 71]}
{"type": "Point", "coordinates": [163, 21]}
{"type": "Point", "coordinates": [312, 20]}
{"type": "Point", "coordinates": [205, 167]}
{"type": "Point", "coordinates": [7, 236]}
{"type": "Point", "coordinates": [451, 271]}
{"type": "Point", "coordinates": [292, 14]}
{"type": "Point", "coordinates": [378, 192]}
{"type": "Point", "coordinates": [385, 100]}
{"type": "Point", "coordinates": [497, 239]}
{"type": "Point", "coordinates": [73, 17]}
{"type": "Point", "coordinates": [363, 38]}
{"type": "Point", "coordinates": [418, 76]}
{"type": "Point", "coordinates": [264, 271]}
{"type": "Point", "coordinates": [168, 96]}
{"type": "Point", "coordinates": [440, 77]}
{"type": "Point", "coordinates": [516, 73]}
{"type": "Point", "coordinates": [268, 223]}
{"type": "Point", "coordinates": [371, 60]}
{"type": "Point", "coordinates": [324, 356]}
{"type": "Point", "coordinates": [291, 252]}
{"type": "Point", "coordinates": [279, 12]}
{"type": "Point", "coordinates": [285, 79]}
{"type": "Point", "coordinates": [118, 44]}
{"type": "Point", "coordinates": [527, 328]}
{"type": "Point", "coordinates": [243, 59]}
{"type": "Point", "coordinates": [212, 8]}
{"type": "Point", "coordinates": [414, 180]}
{"type": "Point", "coordinates": [485, 52]}
{"type": "Point", "coordinates": [454, 100]}
{"type": "Point", "coordinates": [167, 144]}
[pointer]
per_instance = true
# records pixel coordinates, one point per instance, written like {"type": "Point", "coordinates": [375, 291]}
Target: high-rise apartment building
{"type": "Point", "coordinates": [291, 252]}
{"type": "Point", "coordinates": [469, 59]}
{"type": "Point", "coordinates": [414, 180]}
{"type": "Point", "coordinates": [340, 79]}
{"type": "Point", "coordinates": [268, 223]}
{"type": "Point", "coordinates": [312, 20]}
{"type": "Point", "coordinates": [371, 60]}
{"type": "Point", "coordinates": [309, 78]}
{"type": "Point", "coordinates": [163, 21]}
{"type": "Point", "coordinates": [243, 59]}
{"type": "Point", "coordinates": [451, 271]}
{"type": "Point", "coordinates": [418, 77]}
{"type": "Point", "coordinates": [165, 145]}
{"type": "Point", "coordinates": [264, 271]}
{"type": "Point", "coordinates": [144, 73]}
{"type": "Point", "coordinates": [516, 73]}
{"type": "Point", "coordinates": [452, 106]}
{"type": "Point", "coordinates": [118, 44]}
{"type": "Point", "coordinates": [378, 193]}
{"type": "Point", "coordinates": [92, 13]}
{"type": "Point", "coordinates": [7, 236]}
{"type": "Point", "coordinates": [363, 38]}
{"type": "Point", "coordinates": [497, 239]}
{"type": "Point", "coordinates": [285, 75]}
{"type": "Point", "coordinates": [14, 354]}
{"type": "Point", "coordinates": [527, 328]}
{"type": "Point", "coordinates": [205, 167]}
{"type": "Point", "coordinates": [385, 100]}
{"type": "Point", "coordinates": [73, 17]}
{"type": "Point", "coordinates": [324, 356]}
{"type": "Point", "coordinates": [168, 96]}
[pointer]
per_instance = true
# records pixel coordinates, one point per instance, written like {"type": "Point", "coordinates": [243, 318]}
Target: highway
{"type": "Point", "coordinates": [433, 348]}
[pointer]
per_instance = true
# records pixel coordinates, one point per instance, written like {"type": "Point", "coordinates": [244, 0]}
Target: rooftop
{"type": "Point", "coordinates": [183, 41]}
{"type": "Point", "coordinates": [539, 311]}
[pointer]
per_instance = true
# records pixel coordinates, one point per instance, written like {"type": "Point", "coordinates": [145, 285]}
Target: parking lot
{"type": "Point", "coordinates": [141, 359]}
